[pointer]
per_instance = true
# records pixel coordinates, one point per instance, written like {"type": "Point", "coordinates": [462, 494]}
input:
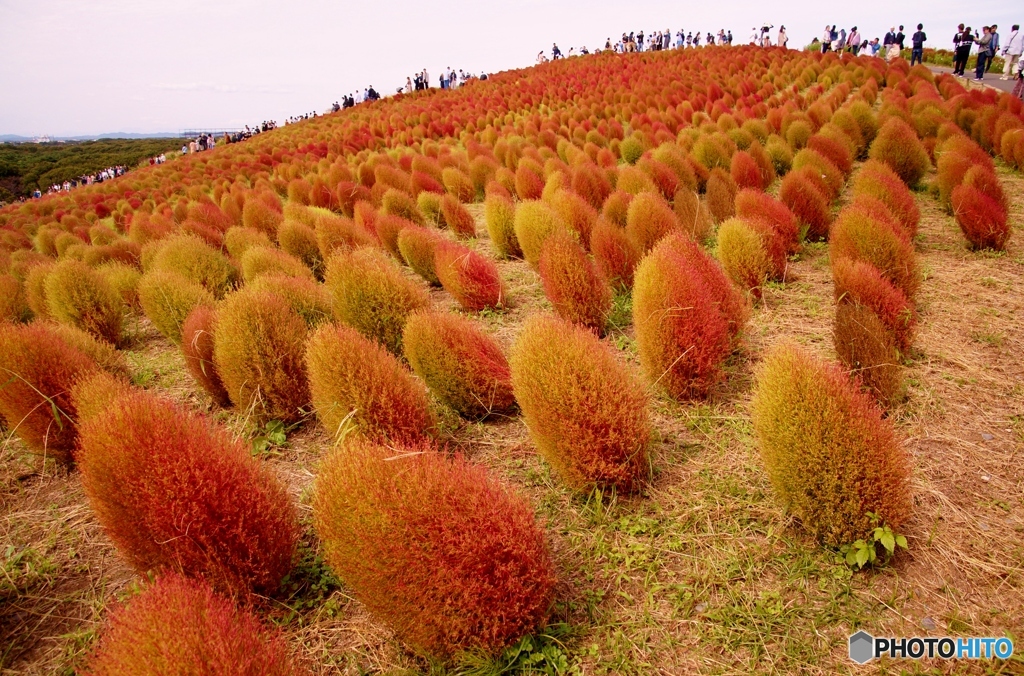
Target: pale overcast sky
{"type": "Point", "coordinates": [71, 67]}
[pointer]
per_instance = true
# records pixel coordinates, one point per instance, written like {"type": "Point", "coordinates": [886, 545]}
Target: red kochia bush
{"type": "Point", "coordinates": [586, 413]}
{"type": "Point", "coordinates": [462, 365]}
{"type": "Point", "coordinates": [861, 237]}
{"type": "Point", "coordinates": [983, 220]}
{"type": "Point", "coordinates": [441, 552]}
{"type": "Point", "coordinates": [682, 333]}
{"type": "Point", "coordinates": [648, 219]}
{"type": "Point", "coordinates": [862, 283]}
{"type": "Point", "coordinates": [571, 282]}
{"type": "Point", "coordinates": [614, 254]}
{"type": "Point", "coordinates": [469, 277]}
{"type": "Point", "coordinates": [175, 493]}
{"type": "Point", "coordinates": [806, 200]}
{"type": "Point", "coordinates": [753, 205]}
{"type": "Point", "coordinates": [38, 369]}
{"type": "Point", "coordinates": [181, 626]}
{"type": "Point", "coordinates": [877, 180]}
{"type": "Point", "coordinates": [197, 346]}
{"type": "Point", "coordinates": [358, 386]}
{"type": "Point", "coordinates": [458, 218]}
{"type": "Point", "coordinates": [746, 172]}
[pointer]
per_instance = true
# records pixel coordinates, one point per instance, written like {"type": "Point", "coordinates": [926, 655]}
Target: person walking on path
{"type": "Point", "coordinates": [983, 50]}
{"type": "Point", "coordinates": [962, 42]}
{"type": "Point", "coordinates": [918, 40]}
{"type": "Point", "coordinates": [1012, 52]}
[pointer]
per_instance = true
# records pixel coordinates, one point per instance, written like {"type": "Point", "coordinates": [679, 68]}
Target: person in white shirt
{"type": "Point", "coordinates": [1012, 52]}
{"type": "Point", "coordinates": [783, 38]}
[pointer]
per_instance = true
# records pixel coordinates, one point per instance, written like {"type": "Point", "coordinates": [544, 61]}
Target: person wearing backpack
{"type": "Point", "coordinates": [918, 39]}
{"type": "Point", "coordinates": [963, 41]}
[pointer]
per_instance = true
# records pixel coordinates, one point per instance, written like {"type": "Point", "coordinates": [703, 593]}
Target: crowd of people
{"type": "Point", "coordinates": [987, 45]}
{"type": "Point", "coordinates": [89, 179]}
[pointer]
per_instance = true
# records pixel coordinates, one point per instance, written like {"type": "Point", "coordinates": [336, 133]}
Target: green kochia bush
{"type": "Point", "coordinates": [78, 295]}
{"type": "Point", "coordinates": [830, 455]}
{"type": "Point", "coordinates": [183, 623]}
{"type": "Point", "coordinates": [444, 554]}
{"type": "Point", "coordinates": [370, 294]}
{"type": "Point", "coordinates": [259, 343]}
{"type": "Point", "coordinates": [587, 414]}
{"type": "Point", "coordinates": [177, 494]}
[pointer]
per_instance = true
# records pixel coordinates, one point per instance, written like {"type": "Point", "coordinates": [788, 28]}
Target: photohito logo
{"type": "Point", "coordinates": [864, 647]}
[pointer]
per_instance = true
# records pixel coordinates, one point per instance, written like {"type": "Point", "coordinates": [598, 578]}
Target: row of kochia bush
{"type": "Point", "coordinates": [273, 347]}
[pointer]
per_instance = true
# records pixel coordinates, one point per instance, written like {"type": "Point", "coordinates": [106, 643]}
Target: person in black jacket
{"type": "Point", "coordinates": [963, 42]}
{"type": "Point", "coordinates": [918, 40]}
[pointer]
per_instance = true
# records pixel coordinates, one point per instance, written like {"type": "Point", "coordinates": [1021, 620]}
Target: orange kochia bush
{"type": "Point", "coordinates": [443, 553]}
{"type": "Point", "coordinates": [176, 493]}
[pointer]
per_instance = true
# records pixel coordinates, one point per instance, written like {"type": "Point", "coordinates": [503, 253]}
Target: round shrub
{"type": "Point", "coordinates": [876, 179]}
{"type": "Point", "coordinates": [182, 622]}
{"type": "Point", "coordinates": [299, 240]}
{"type": "Point", "coordinates": [39, 369]}
{"type": "Point", "coordinates": [868, 349]}
{"type": "Point", "coordinates": [303, 295]}
{"type": "Point", "coordinates": [470, 278]}
{"type": "Point", "coordinates": [457, 217]}
{"type": "Point", "coordinates": [802, 196]}
{"type": "Point", "coordinates": [388, 229]}
{"type": "Point", "coordinates": [446, 556]}
{"type": "Point", "coordinates": [721, 195]}
{"type": "Point", "coordinates": [35, 289]}
{"type": "Point", "coordinates": [123, 279]}
{"type": "Point", "coordinates": [177, 494]}
{"type": "Point", "coordinates": [982, 220]}
{"type": "Point", "coordinates": [79, 296]}
{"type": "Point", "coordinates": [258, 347]}
{"type": "Point", "coordinates": [258, 261]}
{"type": "Point", "coordinates": [370, 294]}
{"type": "Point", "coordinates": [861, 282]}
{"type": "Point", "coordinates": [534, 222]}
{"type": "Point", "coordinates": [417, 245]}
{"type": "Point", "coordinates": [586, 413]}
{"type": "Point", "coordinates": [830, 176]}
{"type": "Point", "coordinates": [745, 172]}
{"type": "Point", "coordinates": [106, 356]}
{"type": "Point", "coordinates": [338, 233]}
{"type": "Point", "coordinates": [572, 283]}
{"type": "Point", "coordinates": [357, 386]}
{"type": "Point", "coordinates": [616, 208]}
{"type": "Point", "coordinates": [576, 213]}
{"type": "Point", "coordinates": [614, 254]}
{"type": "Point", "coordinates": [398, 203]}
{"type": "Point", "coordinates": [649, 219]}
{"type": "Point", "coordinates": [197, 346]}
{"type": "Point", "coordinates": [829, 454]}
{"type": "Point", "coordinates": [463, 366]}
{"type": "Point", "coordinates": [238, 240]}
{"type": "Point", "coordinates": [897, 146]}
{"type": "Point", "coordinates": [861, 237]}
{"type": "Point", "coordinates": [693, 215]}
{"type": "Point", "coordinates": [500, 218]}
{"type": "Point", "coordinates": [631, 149]}
{"type": "Point", "coordinates": [752, 205]}
{"type": "Point", "coordinates": [13, 304]}
{"type": "Point", "coordinates": [743, 255]}
{"type": "Point", "coordinates": [168, 298]}
{"type": "Point", "coordinates": [682, 334]}
{"type": "Point", "coordinates": [196, 261]}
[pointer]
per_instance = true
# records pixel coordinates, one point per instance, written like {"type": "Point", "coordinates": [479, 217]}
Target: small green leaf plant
{"type": "Point", "coordinates": [274, 434]}
{"type": "Point", "coordinates": [863, 553]}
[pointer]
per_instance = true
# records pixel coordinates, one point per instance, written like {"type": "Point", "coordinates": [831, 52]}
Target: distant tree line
{"type": "Point", "coordinates": [25, 167]}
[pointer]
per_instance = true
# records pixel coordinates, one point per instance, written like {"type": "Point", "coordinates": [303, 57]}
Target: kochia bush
{"type": "Point", "coordinates": [168, 298]}
{"type": "Point", "coordinates": [457, 217]}
{"type": "Point", "coordinates": [861, 282]}
{"type": "Point", "coordinates": [586, 413]}
{"type": "Point", "coordinates": [182, 622]}
{"type": "Point", "coordinates": [861, 237]}
{"type": "Point", "coordinates": [416, 244]}
{"type": "Point", "coordinates": [830, 455]}
{"type": "Point", "coordinates": [897, 145]}
{"type": "Point", "coordinates": [500, 217]}
{"type": "Point", "coordinates": [370, 294]}
{"type": "Point", "coordinates": [78, 295]}
{"type": "Point", "coordinates": [259, 342]}
{"type": "Point", "coordinates": [577, 291]}
{"type": "Point", "coordinates": [39, 369]}
{"type": "Point", "coordinates": [177, 494]}
{"type": "Point", "coordinates": [614, 254]}
{"type": "Point", "coordinates": [357, 386]}
{"type": "Point", "coordinates": [461, 364]}
{"type": "Point", "coordinates": [982, 219]}
{"type": "Point", "coordinates": [196, 261]}
{"type": "Point", "coordinates": [868, 349]}
{"type": "Point", "coordinates": [197, 346]}
{"type": "Point", "coordinates": [470, 278]}
{"type": "Point", "coordinates": [649, 219]}
{"type": "Point", "coordinates": [441, 552]}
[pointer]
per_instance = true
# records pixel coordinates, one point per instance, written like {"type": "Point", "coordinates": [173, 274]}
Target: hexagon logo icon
{"type": "Point", "coordinates": [862, 647]}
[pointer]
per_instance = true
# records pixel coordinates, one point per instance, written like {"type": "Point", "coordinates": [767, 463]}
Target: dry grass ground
{"type": "Point", "coordinates": [702, 574]}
